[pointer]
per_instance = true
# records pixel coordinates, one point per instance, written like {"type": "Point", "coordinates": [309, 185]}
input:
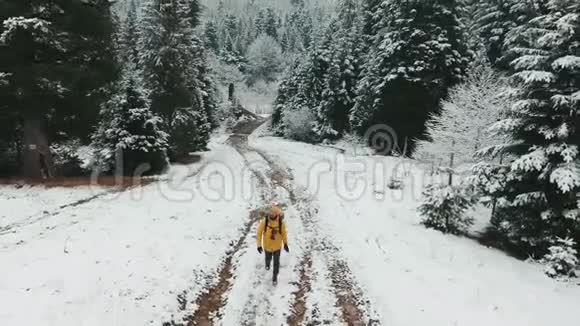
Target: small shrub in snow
{"type": "Point", "coordinates": [300, 125]}
{"type": "Point", "coordinates": [444, 208]}
{"type": "Point", "coordinates": [562, 260]}
{"type": "Point", "coordinates": [66, 159]}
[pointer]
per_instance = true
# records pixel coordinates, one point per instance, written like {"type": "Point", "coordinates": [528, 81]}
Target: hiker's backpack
{"type": "Point", "coordinates": [281, 217]}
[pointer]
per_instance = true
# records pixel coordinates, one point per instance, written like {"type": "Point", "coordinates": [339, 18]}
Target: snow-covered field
{"type": "Point", "coordinates": [123, 258]}
{"type": "Point", "coordinates": [414, 276]}
{"type": "Point", "coordinates": [20, 203]}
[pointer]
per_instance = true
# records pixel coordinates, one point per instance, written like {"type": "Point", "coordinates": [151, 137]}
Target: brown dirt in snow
{"type": "Point", "coordinates": [304, 286]}
{"type": "Point", "coordinates": [346, 294]}
{"type": "Point", "coordinates": [211, 301]}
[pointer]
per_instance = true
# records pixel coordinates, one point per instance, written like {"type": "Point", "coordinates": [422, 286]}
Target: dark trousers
{"type": "Point", "coordinates": [276, 256]}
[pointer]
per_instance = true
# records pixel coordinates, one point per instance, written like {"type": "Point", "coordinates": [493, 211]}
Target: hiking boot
{"type": "Point", "coordinates": [275, 280]}
{"type": "Point", "coordinates": [267, 267]}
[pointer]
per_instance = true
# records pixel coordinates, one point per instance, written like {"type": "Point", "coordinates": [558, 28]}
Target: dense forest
{"type": "Point", "coordinates": [135, 88]}
{"type": "Point", "coordinates": [143, 84]}
{"type": "Point", "coordinates": [492, 83]}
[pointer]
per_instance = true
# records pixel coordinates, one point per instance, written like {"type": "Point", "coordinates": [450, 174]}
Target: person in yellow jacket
{"type": "Point", "coordinates": [271, 236]}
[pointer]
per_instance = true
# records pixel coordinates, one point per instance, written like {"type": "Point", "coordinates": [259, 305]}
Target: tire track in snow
{"type": "Point", "coordinates": [349, 297]}
{"type": "Point", "coordinates": [212, 299]}
{"type": "Point", "coordinates": [80, 202]}
{"type": "Point", "coordinates": [258, 307]}
{"type": "Point", "coordinates": [281, 177]}
{"type": "Point", "coordinates": [304, 287]}
{"type": "Point", "coordinates": [39, 217]}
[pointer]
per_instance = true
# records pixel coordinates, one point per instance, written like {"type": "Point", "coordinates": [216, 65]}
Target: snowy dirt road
{"type": "Point", "coordinates": [182, 251]}
{"type": "Point", "coordinates": [308, 293]}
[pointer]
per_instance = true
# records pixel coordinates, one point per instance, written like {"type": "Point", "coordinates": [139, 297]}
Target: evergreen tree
{"type": "Point", "coordinates": [287, 89]}
{"type": "Point", "coordinates": [267, 23]}
{"type": "Point", "coordinates": [271, 23]}
{"type": "Point", "coordinates": [261, 22]}
{"type": "Point", "coordinates": [297, 3]}
{"type": "Point", "coordinates": [170, 56]}
{"type": "Point", "coordinates": [211, 36]}
{"type": "Point", "coordinates": [469, 14]}
{"type": "Point", "coordinates": [206, 83]}
{"type": "Point", "coordinates": [538, 190]}
{"type": "Point", "coordinates": [496, 19]}
{"type": "Point", "coordinates": [410, 66]}
{"type": "Point", "coordinates": [303, 90]}
{"type": "Point", "coordinates": [55, 68]}
{"type": "Point", "coordinates": [229, 34]}
{"type": "Point", "coordinates": [129, 34]}
{"type": "Point", "coordinates": [372, 14]}
{"type": "Point", "coordinates": [298, 30]}
{"type": "Point", "coordinates": [194, 12]}
{"type": "Point", "coordinates": [129, 139]}
{"type": "Point", "coordinates": [343, 72]}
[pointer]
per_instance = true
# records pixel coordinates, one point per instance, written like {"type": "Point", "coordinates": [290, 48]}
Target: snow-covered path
{"type": "Point", "coordinates": [411, 275]}
{"type": "Point", "coordinates": [244, 294]}
{"type": "Point", "coordinates": [183, 250]}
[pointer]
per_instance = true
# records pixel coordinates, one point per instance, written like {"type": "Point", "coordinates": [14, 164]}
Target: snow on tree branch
{"type": "Point", "coordinates": [38, 27]}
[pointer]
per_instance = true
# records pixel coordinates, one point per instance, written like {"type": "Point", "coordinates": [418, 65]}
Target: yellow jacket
{"type": "Point", "coordinates": [265, 239]}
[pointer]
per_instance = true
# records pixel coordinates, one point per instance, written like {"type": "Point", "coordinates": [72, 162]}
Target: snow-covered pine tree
{"type": "Point", "coordinates": [343, 72]}
{"type": "Point", "coordinates": [229, 34]}
{"type": "Point", "coordinates": [205, 80]}
{"type": "Point", "coordinates": [211, 36]}
{"type": "Point", "coordinates": [307, 81]}
{"type": "Point", "coordinates": [55, 67]}
{"type": "Point", "coordinates": [170, 59]}
{"type": "Point", "coordinates": [469, 11]}
{"type": "Point", "coordinates": [493, 22]}
{"type": "Point", "coordinates": [444, 207]}
{"type": "Point", "coordinates": [271, 23]}
{"type": "Point", "coordinates": [538, 192]}
{"type": "Point", "coordinates": [299, 30]}
{"type": "Point", "coordinates": [129, 139]}
{"type": "Point", "coordinates": [287, 89]}
{"type": "Point", "coordinates": [562, 259]}
{"type": "Point", "coordinates": [496, 18]}
{"type": "Point", "coordinates": [372, 17]}
{"type": "Point", "coordinates": [129, 35]}
{"type": "Point", "coordinates": [297, 3]}
{"type": "Point", "coordinates": [461, 129]}
{"type": "Point", "coordinates": [417, 55]}
{"type": "Point", "coordinates": [267, 23]}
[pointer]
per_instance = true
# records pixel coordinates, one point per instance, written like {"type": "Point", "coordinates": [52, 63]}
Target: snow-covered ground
{"type": "Point", "coordinates": [121, 259]}
{"type": "Point", "coordinates": [20, 203]}
{"type": "Point", "coordinates": [412, 275]}
{"type": "Point", "coordinates": [124, 258]}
